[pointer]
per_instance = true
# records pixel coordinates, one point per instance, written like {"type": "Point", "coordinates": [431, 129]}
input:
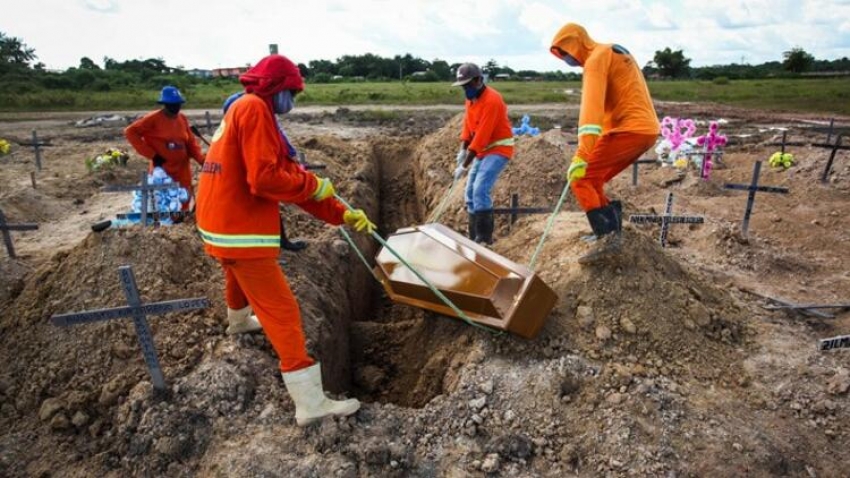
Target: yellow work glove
{"type": "Point", "coordinates": [324, 189]}
{"type": "Point", "coordinates": [357, 219]}
{"type": "Point", "coordinates": [578, 167]}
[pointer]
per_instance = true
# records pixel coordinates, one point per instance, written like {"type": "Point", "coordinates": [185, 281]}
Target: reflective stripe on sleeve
{"type": "Point", "coordinates": [239, 240]}
{"type": "Point", "coordinates": [590, 129]}
{"type": "Point", "coordinates": [502, 142]}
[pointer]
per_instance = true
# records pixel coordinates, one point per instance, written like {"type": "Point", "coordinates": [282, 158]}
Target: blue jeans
{"type": "Point", "coordinates": [482, 178]}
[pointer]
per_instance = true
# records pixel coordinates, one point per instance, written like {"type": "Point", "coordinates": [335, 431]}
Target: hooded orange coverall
{"type": "Point", "coordinates": [170, 137]}
{"type": "Point", "coordinates": [617, 122]}
{"type": "Point", "coordinates": [245, 176]}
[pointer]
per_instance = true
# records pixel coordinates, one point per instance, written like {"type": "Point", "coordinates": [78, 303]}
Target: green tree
{"type": "Point", "coordinates": [14, 53]}
{"type": "Point", "coordinates": [672, 64]}
{"type": "Point", "coordinates": [797, 60]}
{"type": "Point", "coordinates": [491, 68]}
{"type": "Point", "coordinates": [442, 69]}
{"type": "Point", "coordinates": [86, 63]}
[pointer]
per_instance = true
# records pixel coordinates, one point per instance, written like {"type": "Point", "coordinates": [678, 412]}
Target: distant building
{"type": "Point", "coordinates": [503, 76]}
{"type": "Point", "coordinates": [197, 72]}
{"type": "Point", "coordinates": [229, 72]}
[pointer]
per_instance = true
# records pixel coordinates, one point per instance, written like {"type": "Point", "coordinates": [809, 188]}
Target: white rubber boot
{"type": "Point", "coordinates": [241, 321]}
{"type": "Point", "coordinates": [311, 404]}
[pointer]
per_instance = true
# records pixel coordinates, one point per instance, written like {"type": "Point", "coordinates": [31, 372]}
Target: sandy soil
{"type": "Point", "coordinates": [660, 362]}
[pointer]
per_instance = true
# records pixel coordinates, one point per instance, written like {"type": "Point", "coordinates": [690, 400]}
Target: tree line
{"type": "Point", "coordinates": [21, 73]}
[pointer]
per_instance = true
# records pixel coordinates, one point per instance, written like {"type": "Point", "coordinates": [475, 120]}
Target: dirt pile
{"type": "Point", "coordinates": [652, 364]}
{"type": "Point", "coordinates": [536, 173]}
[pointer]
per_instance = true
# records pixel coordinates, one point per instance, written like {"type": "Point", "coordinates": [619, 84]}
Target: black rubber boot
{"type": "Point", "coordinates": [486, 224]}
{"type": "Point", "coordinates": [618, 209]}
{"type": "Point", "coordinates": [603, 221]}
{"type": "Point", "coordinates": [288, 245]}
{"type": "Point", "coordinates": [472, 227]}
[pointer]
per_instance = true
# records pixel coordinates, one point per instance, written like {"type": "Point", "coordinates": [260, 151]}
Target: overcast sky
{"type": "Point", "coordinates": [215, 33]}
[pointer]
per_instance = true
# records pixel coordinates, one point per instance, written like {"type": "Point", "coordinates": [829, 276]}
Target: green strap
{"type": "Point", "coordinates": [435, 216]}
{"type": "Point", "coordinates": [549, 225]}
{"type": "Point", "coordinates": [350, 240]}
{"type": "Point", "coordinates": [425, 281]}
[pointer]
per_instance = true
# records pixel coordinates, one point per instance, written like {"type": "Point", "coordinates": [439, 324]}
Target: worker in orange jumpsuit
{"type": "Point", "coordinates": [246, 174]}
{"type": "Point", "coordinates": [164, 137]}
{"type": "Point", "coordinates": [617, 123]}
{"type": "Point", "coordinates": [487, 143]}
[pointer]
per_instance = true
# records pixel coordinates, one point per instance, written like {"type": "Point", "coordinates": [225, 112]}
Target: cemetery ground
{"type": "Point", "coordinates": [661, 362]}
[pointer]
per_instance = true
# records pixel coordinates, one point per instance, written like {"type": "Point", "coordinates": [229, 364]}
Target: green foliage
{"type": "Point", "coordinates": [797, 60]}
{"type": "Point", "coordinates": [14, 54]}
{"type": "Point", "coordinates": [721, 80]}
{"type": "Point", "coordinates": [672, 64]}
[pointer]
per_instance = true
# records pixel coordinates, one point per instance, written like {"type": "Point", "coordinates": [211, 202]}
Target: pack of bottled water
{"type": "Point", "coordinates": [161, 200]}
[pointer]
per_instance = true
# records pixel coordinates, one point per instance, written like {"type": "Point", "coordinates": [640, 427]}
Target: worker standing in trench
{"type": "Point", "coordinates": [164, 137]}
{"type": "Point", "coordinates": [617, 124]}
{"type": "Point", "coordinates": [487, 143]}
{"type": "Point", "coordinates": [246, 175]}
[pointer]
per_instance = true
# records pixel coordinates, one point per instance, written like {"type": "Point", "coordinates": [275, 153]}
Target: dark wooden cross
{"type": "Point", "coordinates": [7, 238]}
{"type": "Point", "coordinates": [835, 148]}
{"type": "Point", "coordinates": [515, 210]}
{"type": "Point", "coordinates": [139, 313]}
{"type": "Point", "coordinates": [753, 187]}
{"type": "Point", "coordinates": [785, 143]}
{"type": "Point", "coordinates": [37, 145]}
{"type": "Point", "coordinates": [635, 168]}
{"type": "Point", "coordinates": [146, 189]}
{"type": "Point", "coordinates": [665, 219]}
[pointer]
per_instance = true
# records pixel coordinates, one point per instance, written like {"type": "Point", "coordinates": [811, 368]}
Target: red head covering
{"type": "Point", "coordinates": [271, 75]}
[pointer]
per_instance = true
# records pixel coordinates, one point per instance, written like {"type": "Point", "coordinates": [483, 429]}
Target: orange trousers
{"type": "Point", "coordinates": [261, 283]}
{"type": "Point", "coordinates": [611, 155]}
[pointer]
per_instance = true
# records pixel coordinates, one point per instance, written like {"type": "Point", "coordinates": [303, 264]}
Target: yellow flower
{"type": "Point", "coordinates": [4, 146]}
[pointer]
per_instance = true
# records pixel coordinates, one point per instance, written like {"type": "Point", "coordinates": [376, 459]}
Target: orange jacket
{"type": "Point", "coordinates": [245, 176]}
{"type": "Point", "coordinates": [486, 126]}
{"type": "Point", "coordinates": [614, 95]}
{"type": "Point", "coordinates": [170, 137]}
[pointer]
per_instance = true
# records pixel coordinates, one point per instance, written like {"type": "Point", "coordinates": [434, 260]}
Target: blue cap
{"type": "Point", "coordinates": [231, 99]}
{"type": "Point", "coordinates": [170, 95]}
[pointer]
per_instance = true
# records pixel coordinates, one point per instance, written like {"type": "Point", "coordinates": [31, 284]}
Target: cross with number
{"type": "Point", "coordinates": [753, 187]}
{"type": "Point", "coordinates": [665, 219]}
{"type": "Point", "coordinates": [146, 189]}
{"type": "Point", "coordinates": [7, 238]}
{"type": "Point", "coordinates": [138, 312]}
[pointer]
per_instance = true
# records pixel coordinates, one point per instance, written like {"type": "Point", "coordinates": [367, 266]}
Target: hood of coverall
{"type": "Point", "coordinates": [573, 39]}
{"type": "Point", "coordinates": [273, 74]}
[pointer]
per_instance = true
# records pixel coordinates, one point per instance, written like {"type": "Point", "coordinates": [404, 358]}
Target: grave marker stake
{"type": "Point", "coordinates": [666, 219]}
{"type": "Point", "coordinates": [825, 177]}
{"type": "Point", "coordinates": [139, 313]}
{"type": "Point", "coordinates": [753, 187]}
{"type": "Point", "coordinates": [146, 189]}
{"type": "Point", "coordinates": [37, 146]}
{"type": "Point", "coordinates": [7, 238]}
{"type": "Point", "coordinates": [635, 169]}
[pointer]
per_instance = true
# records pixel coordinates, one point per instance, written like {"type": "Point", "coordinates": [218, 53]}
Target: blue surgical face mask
{"type": "Point", "coordinates": [283, 102]}
{"type": "Point", "coordinates": [470, 91]}
{"type": "Point", "coordinates": [570, 60]}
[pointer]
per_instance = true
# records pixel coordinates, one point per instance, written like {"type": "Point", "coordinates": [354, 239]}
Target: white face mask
{"type": "Point", "coordinates": [283, 102]}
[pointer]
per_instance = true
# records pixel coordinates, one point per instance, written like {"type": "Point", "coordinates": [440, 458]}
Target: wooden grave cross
{"type": "Point", "coordinates": [515, 210]}
{"type": "Point", "coordinates": [7, 238]}
{"type": "Point", "coordinates": [753, 187]}
{"type": "Point", "coordinates": [139, 313]}
{"type": "Point", "coordinates": [835, 148]}
{"type": "Point", "coordinates": [665, 219]}
{"type": "Point", "coordinates": [146, 189]}
{"type": "Point", "coordinates": [635, 168]}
